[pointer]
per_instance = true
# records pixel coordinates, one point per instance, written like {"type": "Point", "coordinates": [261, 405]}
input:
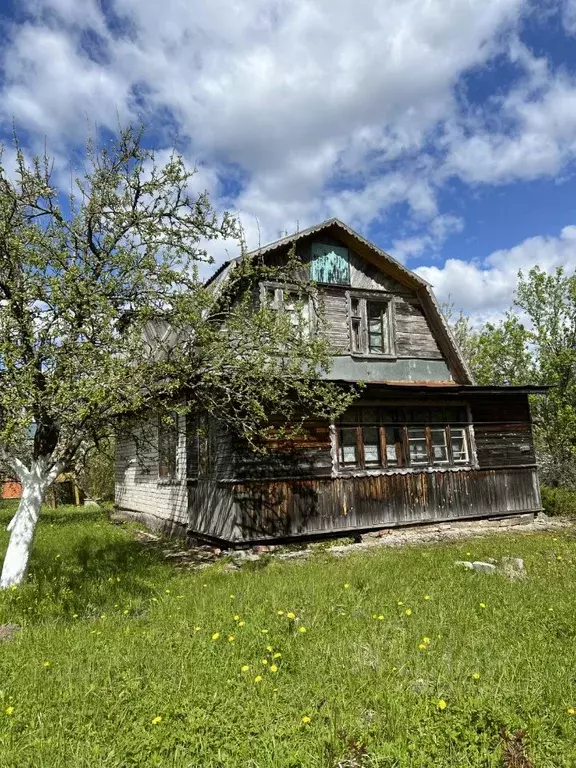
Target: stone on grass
{"type": "Point", "coordinates": [482, 567]}
{"type": "Point", "coordinates": [464, 564]}
{"type": "Point", "coordinates": [8, 631]}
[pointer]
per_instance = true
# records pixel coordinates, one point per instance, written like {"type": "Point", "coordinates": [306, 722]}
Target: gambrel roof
{"type": "Point", "coordinates": [382, 261]}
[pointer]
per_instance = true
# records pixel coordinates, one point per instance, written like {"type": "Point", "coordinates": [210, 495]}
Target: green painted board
{"type": "Point", "coordinates": [330, 264]}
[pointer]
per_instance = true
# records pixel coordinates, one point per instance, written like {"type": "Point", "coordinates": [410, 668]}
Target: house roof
{"type": "Point", "coordinates": [380, 259]}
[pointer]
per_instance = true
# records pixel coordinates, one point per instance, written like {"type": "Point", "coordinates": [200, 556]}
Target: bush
{"type": "Point", "coordinates": [558, 501]}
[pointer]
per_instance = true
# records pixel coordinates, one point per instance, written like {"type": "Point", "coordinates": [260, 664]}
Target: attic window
{"type": "Point", "coordinates": [371, 326]}
{"type": "Point", "coordinates": [329, 264]}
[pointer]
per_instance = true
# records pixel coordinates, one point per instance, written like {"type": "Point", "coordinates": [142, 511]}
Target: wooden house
{"type": "Point", "coordinates": [422, 444]}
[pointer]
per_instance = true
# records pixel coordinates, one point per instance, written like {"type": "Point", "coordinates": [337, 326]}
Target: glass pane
{"type": "Point", "coordinates": [391, 415]}
{"type": "Point", "coordinates": [371, 446]}
{"type": "Point", "coordinates": [437, 415]}
{"type": "Point", "coordinates": [356, 336]}
{"type": "Point", "coordinates": [348, 452]}
{"type": "Point", "coordinates": [439, 446]}
{"type": "Point", "coordinates": [459, 445]}
{"type": "Point", "coordinates": [394, 447]}
{"type": "Point", "coordinates": [355, 306]}
{"type": "Point", "coordinates": [417, 415]}
{"type": "Point", "coordinates": [417, 445]}
{"type": "Point", "coordinates": [376, 343]}
{"type": "Point", "coordinates": [456, 414]}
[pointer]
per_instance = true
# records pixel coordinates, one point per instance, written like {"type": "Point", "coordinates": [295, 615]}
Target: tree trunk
{"type": "Point", "coordinates": [34, 481]}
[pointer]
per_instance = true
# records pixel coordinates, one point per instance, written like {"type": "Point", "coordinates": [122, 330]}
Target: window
{"type": "Point", "coordinates": [389, 438]}
{"type": "Point", "coordinates": [371, 326]}
{"type": "Point", "coordinates": [295, 305]}
{"type": "Point", "coordinates": [167, 445]}
{"type": "Point", "coordinates": [329, 264]}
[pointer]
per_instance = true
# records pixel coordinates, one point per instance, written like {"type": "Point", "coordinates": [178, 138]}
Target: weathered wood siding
{"type": "Point", "coordinates": [503, 431]}
{"type": "Point", "coordinates": [268, 510]}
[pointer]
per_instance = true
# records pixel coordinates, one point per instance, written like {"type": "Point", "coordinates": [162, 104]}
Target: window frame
{"type": "Point", "coordinates": [403, 460]}
{"type": "Point", "coordinates": [358, 319]}
{"type": "Point", "coordinates": [168, 436]}
{"type": "Point", "coordinates": [278, 302]}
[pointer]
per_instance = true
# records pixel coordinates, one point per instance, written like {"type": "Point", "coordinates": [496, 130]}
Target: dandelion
{"type": "Point", "coordinates": [374, 616]}
{"type": "Point", "coordinates": [571, 711]}
{"type": "Point", "coordinates": [74, 615]}
{"type": "Point", "coordinates": [280, 613]}
{"type": "Point", "coordinates": [232, 597]}
{"type": "Point", "coordinates": [156, 720]}
{"type": "Point", "coordinates": [236, 618]}
{"type": "Point", "coordinates": [273, 668]}
{"type": "Point", "coordinates": [302, 629]}
{"type": "Point", "coordinates": [197, 629]}
{"type": "Point", "coordinates": [264, 631]}
{"type": "Point", "coordinates": [408, 612]}
{"type": "Point", "coordinates": [9, 710]}
{"type": "Point", "coordinates": [306, 719]}
{"type": "Point", "coordinates": [468, 554]}
{"type": "Point", "coordinates": [264, 661]}
{"type": "Point", "coordinates": [441, 704]}
{"type": "Point", "coordinates": [167, 591]}
{"type": "Point", "coordinates": [258, 679]}
{"type": "Point", "coordinates": [290, 615]}
{"type": "Point", "coordinates": [277, 656]}
{"type": "Point", "coordinates": [269, 648]}
{"type": "Point", "coordinates": [482, 605]}
{"type": "Point", "coordinates": [476, 675]}
{"type": "Point", "coordinates": [346, 586]}
{"type": "Point", "coordinates": [426, 597]}
{"type": "Point", "coordinates": [126, 611]}
{"type": "Point", "coordinates": [423, 647]}
{"type": "Point", "coordinates": [558, 557]}
{"type": "Point", "coordinates": [381, 617]}
{"type": "Point", "coordinates": [400, 602]}
{"type": "Point", "coordinates": [426, 640]}
{"type": "Point", "coordinates": [216, 636]}
{"type": "Point", "coordinates": [204, 585]}
{"type": "Point", "coordinates": [241, 623]}
{"type": "Point", "coordinates": [231, 638]}
{"type": "Point", "coordinates": [245, 668]}
{"type": "Point", "coordinates": [47, 664]}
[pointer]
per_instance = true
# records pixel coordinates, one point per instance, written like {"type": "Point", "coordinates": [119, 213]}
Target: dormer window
{"type": "Point", "coordinates": [329, 264]}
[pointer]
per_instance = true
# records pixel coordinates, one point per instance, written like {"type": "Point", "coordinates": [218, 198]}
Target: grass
{"type": "Point", "coordinates": [124, 660]}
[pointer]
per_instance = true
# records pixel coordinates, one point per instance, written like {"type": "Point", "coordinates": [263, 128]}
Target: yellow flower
{"type": "Point", "coordinates": [482, 605]}
{"type": "Point", "coordinates": [9, 710]}
{"type": "Point", "coordinates": [280, 613]}
{"type": "Point", "coordinates": [196, 629]}
{"type": "Point", "coordinates": [264, 661]}
{"type": "Point", "coordinates": [47, 664]}
{"type": "Point", "coordinates": [476, 675]}
{"type": "Point", "coordinates": [264, 631]}
{"type": "Point", "coordinates": [381, 617]}
{"type": "Point", "coordinates": [426, 597]}
{"type": "Point", "coordinates": [269, 648]}
{"type": "Point", "coordinates": [236, 618]}
{"type": "Point", "coordinates": [258, 679]}
{"type": "Point", "coordinates": [558, 557]}
{"type": "Point", "coordinates": [346, 586]}
{"type": "Point", "coordinates": [302, 629]}
{"type": "Point", "coordinates": [422, 647]}
{"type": "Point", "coordinates": [441, 704]}
{"type": "Point", "coordinates": [400, 602]}
{"type": "Point", "coordinates": [426, 640]}
{"type": "Point", "coordinates": [306, 719]}
{"type": "Point", "coordinates": [156, 720]}
{"type": "Point", "coordinates": [232, 597]}
{"type": "Point", "coordinates": [231, 638]}
{"type": "Point", "coordinates": [290, 615]}
{"type": "Point", "coordinates": [125, 611]}
{"type": "Point", "coordinates": [241, 623]}
{"type": "Point", "coordinates": [571, 711]}
{"type": "Point", "coordinates": [74, 615]}
{"type": "Point", "coordinates": [374, 616]}
{"type": "Point", "coordinates": [277, 656]}
{"type": "Point", "coordinates": [216, 636]}
{"type": "Point", "coordinates": [468, 554]}
{"type": "Point", "coordinates": [167, 591]}
{"type": "Point", "coordinates": [408, 612]}
{"type": "Point", "coordinates": [273, 668]}
{"type": "Point", "coordinates": [245, 668]}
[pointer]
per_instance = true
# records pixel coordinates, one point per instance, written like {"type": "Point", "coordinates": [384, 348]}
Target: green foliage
{"type": "Point", "coordinates": [103, 313]}
{"type": "Point", "coordinates": [558, 501]}
{"type": "Point", "coordinates": [109, 644]}
{"type": "Point", "coordinates": [535, 344]}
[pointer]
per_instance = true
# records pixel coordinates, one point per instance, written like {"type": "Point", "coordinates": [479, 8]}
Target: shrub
{"type": "Point", "coordinates": [558, 501]}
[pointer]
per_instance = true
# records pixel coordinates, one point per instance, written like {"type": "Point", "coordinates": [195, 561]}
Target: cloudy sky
{"type": "Point", "coordinates": [443, 130]}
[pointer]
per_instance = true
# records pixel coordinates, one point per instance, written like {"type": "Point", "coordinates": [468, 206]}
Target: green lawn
{"type": "Point", "coordinates": [124, 660]}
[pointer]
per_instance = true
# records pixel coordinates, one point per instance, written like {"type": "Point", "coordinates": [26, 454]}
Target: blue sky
{"type": "Point", "coordinates": [443, 130]}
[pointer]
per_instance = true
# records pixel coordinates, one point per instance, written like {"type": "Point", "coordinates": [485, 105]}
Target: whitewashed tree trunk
{"type": "Point", "coordinates": [34, 481]}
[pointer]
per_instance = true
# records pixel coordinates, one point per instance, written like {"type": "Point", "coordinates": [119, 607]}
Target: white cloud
{"type": "Point", "coordinates": [305, 96]}
{"type": "Point", "coordinates": [431, 241]}
{"type": "Point", "coordinates": [485, 288]}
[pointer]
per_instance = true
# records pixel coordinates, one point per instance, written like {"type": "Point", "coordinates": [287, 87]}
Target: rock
{"type": "Point", "coordinates": [464, 564]}
{"type": "Point", "coordinates": [513, 567]}
{"type": "Point", "coordinates": [8, 631]}
{"type": "Point", "coordinates": [482, 567]}
{"type": "Point", "coordinates": [299, 555]}
{"type": "Point", "coordinates": [260, 549]}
